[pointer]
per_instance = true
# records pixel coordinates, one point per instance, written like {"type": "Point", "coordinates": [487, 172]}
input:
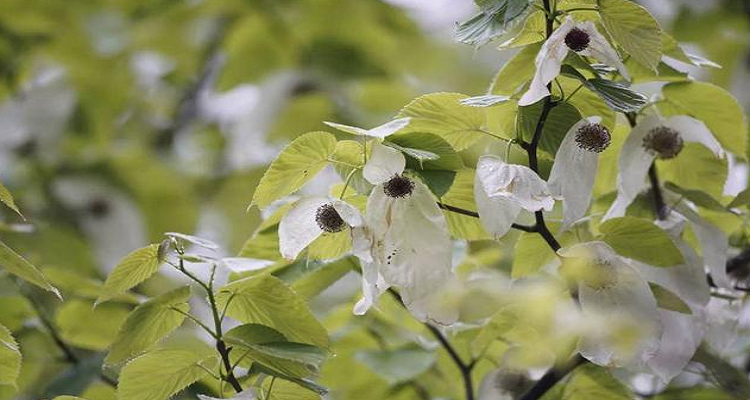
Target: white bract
{"type": "Point", "coordinates": [574, 171]}
{"type": "Point", "coordinates": [404, 242]}
{"type": "Point", "coordinates": [611, 291]}
{"type": "Point", "coordinates": [581, 37]}
{"type": "Point", "coordinates": [380, 132]}
{"type": "Point", "coordinates": [309, 217]}
{"type": "Point", "coordinates": [654, 137]}
{"type": "Point", "coordinates": [502, 190]}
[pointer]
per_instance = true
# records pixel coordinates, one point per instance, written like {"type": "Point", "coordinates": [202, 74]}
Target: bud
{"type": "Point", "coordinates": [664, 142]}
{"type": "Point", "coordinates": [328, 219]}
{"type": "Point", "coordinates": [398, 186]}
{"type": "Point", "coordinates": [593, 137]}
{"type": "Point", "coordinates": [577, 39]}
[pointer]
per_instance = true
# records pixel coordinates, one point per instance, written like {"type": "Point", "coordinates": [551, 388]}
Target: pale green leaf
{"type": "Point", "coordinates": [447, 158]}
{"type": "Point", "coordinates": [697, 168]}
{"type": "Point", "coordinates": [280, 389]}
{"type": "Point", "coordinates": [149, 323]}
{"type": "Point", "coordinates": [7, 198]}
{"type": "Point", "coordinates": [159, 374]}
{"type": "Point", "coordinates": [442, 114]}
{"type": "Point", "coordinates": [716, 107]}
{"type": "Point", "coordinates": [494, 19]}
{"type": "Point", "coordinates": [266, 300]}
{"type": "Point", "coordinates": [641, 240]}
{"type": "Point", "coordinates": [698, 197]}
{"type": "Point", "coordinates": [397, 366]}
{"type": "Point", "coordinates": [135, 268]}
{"type": "Point", "coordinates": [349, 158]}
{"type": "Point", "coordinates": [516, 72]}
{"type": "Point", "coordinates": [668, 300]}
{"type": "Point", "coordinates": [10, 358]}
{"type": "Point", "coordinates": [461, 195]}
{"type": "Point", "coordinates": [590, 382]}
{"type": "Point", "coordinates": [100, 327]}
{"type": "Point", "coordinates": [633, 28]}
{"type": "Point", "coordinates": [321, 278]}
{"type": "Point", "coordinates": [18, 266]}
{"type": "Point", "coordinates": [299, 162]}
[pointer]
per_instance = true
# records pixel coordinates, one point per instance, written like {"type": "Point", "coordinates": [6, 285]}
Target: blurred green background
{"type": "Point", "coordinates": [122, 120]}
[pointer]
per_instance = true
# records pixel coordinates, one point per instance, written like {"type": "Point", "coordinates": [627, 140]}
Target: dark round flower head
{"type": "Point", "coordinates": [398, 186]}
{"type": "Point", "coordinates": [593, 137]}
{"type": "Point", "coordinates": [577, 39]}
{"type": "Point", "coordinates": [328, 219]}
{"type": "Point", "coordinates": [664, 142]}
{"type": "Point", "coordinates": [98, 207]}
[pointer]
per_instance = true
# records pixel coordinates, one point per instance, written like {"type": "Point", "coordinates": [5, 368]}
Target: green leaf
{"type": "Point", "coordinates": [442, 114]}
{"type": "Point", "coordinates": [534, 30]}
{"type": "Point", "coordinates": [10, 358]}
{"type": "Point", "coordinates": [286, 390]}
{"type": "Point", "coordinates": [68, 398]}
{"type": "Point", "coordinates": [159, 374]}
{"type": "Point", "coordinates": [529, 258]}
{"type": "Point", "coordinates": [446, 157]}
{"type": "Point", "coordinates": [716, 107]}
{"type": "Point", "coordinates": [135, 268]}
{"type": "Point", "coordinates": [349, 156]}
{"type": "Point", "coordinates": [493, 21]}
{"type": "Point", "coordinates": [7, 198]}
{"type": "Point", "coordinates": [667, 300]}
{"type": "Point", "coordinates": [590, 382]}
{"type": "Point", "coordinates": [461, 195]}
{"type": "Point", "coordinates": [100, 327]}
{"type": "Point", "coordinates": [149, 323]}
{"type": "Point", "coordinates": [699, 197]}
{"type": "Point", "coordinates": [269, 347]}
{"type": "Point", "coordinates": [397, 366]}
{"type": "Point", "coordinates": [488, 100]}
{"type": "Point", "coordinates": [641, 240]}
{"type": "Point", "coordinates": [18, 266]}
{"type": "Point", "coordinates": [617, 96]}
{"type": "Point", "coordinates": [559, 121]}
{"type": "Point", "coordinates": [516, 72]}
{"type": "Point", "coordinates": [299, 162]}
{"type": "Point", "coordinates": [321, 278]}
{"type": "Point", "coordinates": [742, 199]}
{"type": "Point", "coordinates": [729, 378]}
{"type": "Point", "coordinates": [696, 167]}
{"type": "Point", "coordinates": [438, 181]}
{"type": "Point", "coordinates": [266, 300]}
{"type": "Point", "coordinates": [634, 28]}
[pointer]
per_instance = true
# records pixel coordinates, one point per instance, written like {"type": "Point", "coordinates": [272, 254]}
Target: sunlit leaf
{"type": "Point", "coordinates": [641, 240]}
{"type": "Point", "coordinates": [135, 268]}
{"type": "Point", "coordinates": [633, 27]}
{"type": "Point", "coordinates": [18, 266]}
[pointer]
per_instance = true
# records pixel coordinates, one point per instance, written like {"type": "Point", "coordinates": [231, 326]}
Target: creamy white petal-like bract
{"type": "Point", "coordinates": [497, 214]}
{"type": "Point", "coordinates": [299, 227]}
{"type": "Point", "coordinates": [409, 249]}
{"type": "Point", "coordinates": [681, 336]}
{"type": "Point", "coordinates": [554, 50]}
{"type": "Point", "coordinates": [384, 163]}
{"type": "Point", "coordinates": [573, 174]}
{"type": "Point", "coordinates": [380, 132]}
{"type": "Point", "coordinates": [516, 182]}
{"type": "Point", "coordinates": [635, 160]}
{"type": "Point", "coordinates": [714, 245]}
{"type": "Point", "coordinates": [627, 301]}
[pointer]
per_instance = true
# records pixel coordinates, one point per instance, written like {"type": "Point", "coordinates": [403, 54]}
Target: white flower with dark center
{"type": "Point", "coordinates": [309, 218]}
{"type": "Point", "coordinates": [380, 132]}
{"type": "Point", "coordinates": [574, 171]}
{"type": "Point", "coordinates": [502, 190]}
{"type": "Point", "coordinates": [580, 37]}
{"type": "Point", "coordinates": [654, 137]}
{"type": "Point", "coordinates": [611, 291]}
{"type": "Point", "coordinates": [404, 242]}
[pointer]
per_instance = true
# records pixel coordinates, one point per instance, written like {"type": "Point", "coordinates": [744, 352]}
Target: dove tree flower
{"type": "Point", "coordinates": [611, 290]}
{"type": "Point", "coordinates": [404, 242]}
{"type": "Point", "coordinates": [579, 37]}
{"type": "Point", "coordinates": [653, 138]}
{"type": "Point", "coordinates": [576, 163]}
{"type": "Point", "coordinates": [503, 190]}
{"type": "Point", "coordinates": [309, 218]}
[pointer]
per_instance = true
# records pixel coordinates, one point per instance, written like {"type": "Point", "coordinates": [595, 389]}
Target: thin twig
{"type": "Point", "coordinates": [475, 214]}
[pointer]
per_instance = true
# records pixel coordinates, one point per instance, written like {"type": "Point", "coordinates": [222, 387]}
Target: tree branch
{"type": "Point", "coordinates": [475, 214]}
{"type": "Point", "coordinates": [552, 376]}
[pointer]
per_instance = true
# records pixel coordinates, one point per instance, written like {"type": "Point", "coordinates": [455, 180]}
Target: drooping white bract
{"type": "Point", "coordinates": [654, 137]}
{"type": "Point", "coordinates": [404, 242]}
{"type": "Point", "coordinates": [309, 217]}
{"type": "Point", "coordinates": [380, 132]}
{"type": "Point", "coordinates": [502, 190]}
{"type": "Point", "coordinates": [581, 37]}
{"type": "Point", "coordinates": [574, 171]}
{"type": "Point", "coordinates": [611, 291]}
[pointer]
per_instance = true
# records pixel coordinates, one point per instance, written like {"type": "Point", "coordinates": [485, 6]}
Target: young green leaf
{"type": "Point", "coordinates": [397, 366]}
{"type": "Point", "coordinates": [7, 198]}
{"type": "Point", "coordinates": [493, 20]}
{"type": "Point", "coordinates": [668, 300]}
{"type": "Point", "coordinates": [266, 300]}
{"type": "Point", "coordinates": [445, 157]}
{"type": "Point", "coordinates": [17, 265]}
{"type": "Point", "coordinates": [299, 162]}
{"type": "Point", "coordinates": [461, 195]}
{"type": "Point", "coordinates": [148, 323]}
{"type": "Point", "coordinates": [135, 268]}
{"type": "Point", "coordinates": [442, 114]}
{"type": "Point", "coordinates": [634, 28]}
{"type": "Point", "coordinates": [716, 107]}
{"type": "Point", "coordinates": [593, 382]}
{"type": "Point", "coordinates": [641, 240]}
{"type": "Point", "coordinates": [10, 358]}
{"type": "Point", "coordinates": [159, 374]}
{"type": "Point", "coordinates": [100, 327]}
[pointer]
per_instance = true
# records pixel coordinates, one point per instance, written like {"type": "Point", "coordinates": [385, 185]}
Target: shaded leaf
{"type": "Point", "coordinates": [641, 240]}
